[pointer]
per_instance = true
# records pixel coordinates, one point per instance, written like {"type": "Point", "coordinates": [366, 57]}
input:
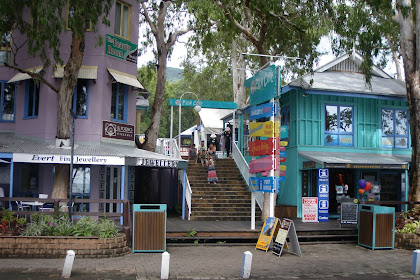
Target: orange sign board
{"type": "Point", "coordinates": [265, 147]}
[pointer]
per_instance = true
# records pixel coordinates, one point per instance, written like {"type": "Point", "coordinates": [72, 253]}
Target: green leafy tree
{"type": "Point", "coordinates": [44, 41]}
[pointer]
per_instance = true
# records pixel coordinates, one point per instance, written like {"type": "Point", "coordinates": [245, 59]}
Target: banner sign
{"type": "Point", "coordinates": [265, 147]}
{"type": "Point", "coordinates": [310, 209]}
{"type": "Point", "coordinates": [323, 195]}
{"type": "Point", "coordinates": [264, 85]}
{"type": "Point", "coordinates": [203, 103]}
{"type": "Point", "coordinates": [120, 48]}
{"type": "Point", "coordinates": [265, 184]}
{"type": "Point", "coordinates": [267, 232]}
{"type": "Point", "coordinates": [115, 130]}
{"type": "Point", "coordinates": [266, 164]}
{"type": "Point", "coordinates": [66, 159]}
{"type": "Point", "coordinates": [264, 129]}
{"type": "Point", "coordinates": [266, 110]}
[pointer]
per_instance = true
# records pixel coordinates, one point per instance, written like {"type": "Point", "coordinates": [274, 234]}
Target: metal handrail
{"type": "Point", "coordinates": [244, 169]}
{"type": "Point", "coordinates": [188, 196]}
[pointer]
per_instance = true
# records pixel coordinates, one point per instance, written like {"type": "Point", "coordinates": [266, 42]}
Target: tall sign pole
{"type": "Point", "coordinates": [73, 126]}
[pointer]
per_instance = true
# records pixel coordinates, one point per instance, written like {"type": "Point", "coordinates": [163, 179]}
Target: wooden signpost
{"type": "Point", "coordinates": [266, 164]}
{"type": "Point", "coordinates": [286, 230]}
{"type": "Point", "coordinates": [264, 129]}
{"type": "Point", "coordinates": [265, 147]}
{"type": "Point", "coordinates": [268, 230]}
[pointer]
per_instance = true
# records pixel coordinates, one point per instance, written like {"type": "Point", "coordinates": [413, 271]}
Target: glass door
{"type": "Point", "coordinates": [112, 188]}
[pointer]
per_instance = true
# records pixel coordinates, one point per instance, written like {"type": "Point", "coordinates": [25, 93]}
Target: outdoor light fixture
{"type": "Point", "coordinates": [197, 108]}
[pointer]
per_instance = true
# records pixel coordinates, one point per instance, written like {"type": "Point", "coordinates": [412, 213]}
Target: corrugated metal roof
{"type": "Point", "coordinates": [23, 76]}
{"type": "Point", "coordinates": [351, 83]}
{"type": "Point", "coordinates": [11, 143]}
{"type": "Point", "coordinates": [85, 72]}
{"type": "Point", "coordinates": [125, 78]}
{"type": "Point", "coordinates": [356, 158]}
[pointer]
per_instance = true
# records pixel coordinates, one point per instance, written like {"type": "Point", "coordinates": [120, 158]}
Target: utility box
{"type": "Point", "coordinates": [376, 226]}
{"type": "Point", "coordinates": [149, 228]}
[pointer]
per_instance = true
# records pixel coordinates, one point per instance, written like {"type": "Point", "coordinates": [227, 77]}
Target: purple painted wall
{"type": "Point", "coordinates": [44, 127]}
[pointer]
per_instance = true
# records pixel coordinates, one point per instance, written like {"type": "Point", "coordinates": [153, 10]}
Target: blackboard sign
{"type": "Point", "coordinates": [349, 213]}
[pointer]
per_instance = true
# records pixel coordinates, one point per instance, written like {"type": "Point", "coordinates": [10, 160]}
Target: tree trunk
{"type": "Point", "coordinates": [238, 75]}
{"type": "Point", "coordinates": [152, 131]}
{"type": "Point", "coordinates": [64, 102]}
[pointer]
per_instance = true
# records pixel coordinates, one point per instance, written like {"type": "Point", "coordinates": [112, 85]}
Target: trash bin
{"type": "Point", "coordinates": [149, 227]}
{"type": "Point", "coordinates": [376, 226]}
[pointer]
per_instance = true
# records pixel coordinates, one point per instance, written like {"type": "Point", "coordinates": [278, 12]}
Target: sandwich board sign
{"type": "Point", "coordinates": [267, 233]}
{"type": "Point", "coordinates": [287, 230]}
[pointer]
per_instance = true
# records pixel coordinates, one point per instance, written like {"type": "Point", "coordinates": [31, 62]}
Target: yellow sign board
{"type": "Point", "coordinates": [264, 129]}
{"type": "Point", "coordinates": [267, 232]}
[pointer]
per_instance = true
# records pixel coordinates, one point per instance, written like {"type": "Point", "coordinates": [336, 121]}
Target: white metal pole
{"type": "Point", "coordinates": [179, 127]}
{"type": "Point", "coordinates": [233, 132]}
{"type": "Point", "coordinates": [171, 132]}
{"type": "Point", "coordinates": [252, 210]}
{"type": "Point", "coordinates": [271, 199]}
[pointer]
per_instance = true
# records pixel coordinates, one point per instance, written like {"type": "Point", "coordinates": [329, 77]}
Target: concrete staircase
{"type": "Point", "coordinates": [228, 200]}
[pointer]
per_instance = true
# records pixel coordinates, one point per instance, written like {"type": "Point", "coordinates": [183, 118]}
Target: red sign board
{"type": "Point", "coordinates": [120, 131]}
{"type": "Point", "coordinates": [264, 147]}
{"type": "Point", "coordinates": [265, 164]}
{"type": "Point", "coordinates": [310, 209]}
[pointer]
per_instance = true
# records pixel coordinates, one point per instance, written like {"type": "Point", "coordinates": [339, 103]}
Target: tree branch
{"type": "Point", "coordinates": [148, 19]}
{"type": "Point", "coordinates": [36, 76]}
{"type": "Point", "coordinates": [284, 19]}
{"type": "Point", "coordinates": [174, 36]}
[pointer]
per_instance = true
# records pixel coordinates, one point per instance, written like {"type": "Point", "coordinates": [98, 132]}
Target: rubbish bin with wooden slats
{"type": "Point", "coordinates": [376, 226]}
{"type": "Point", "coordinates": [149, 227]}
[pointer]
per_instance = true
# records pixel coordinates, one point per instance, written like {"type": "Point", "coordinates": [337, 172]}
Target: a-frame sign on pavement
{"type": "Point", "coordinates": [287, 230]}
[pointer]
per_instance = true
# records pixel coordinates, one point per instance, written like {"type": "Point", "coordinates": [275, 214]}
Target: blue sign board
{"type": "Point", "coordinates": [323, 195]}
{"type": "Point", "coordinates": [264, 85]}
{"type": "Point", "coordinates": [203, 103]}
{"type": "Point", "coordinates": [265, 184]}
{"type": "Point", "coordinates": [284, 133]}
{"type": "Point", "coordinates": [265, 110]}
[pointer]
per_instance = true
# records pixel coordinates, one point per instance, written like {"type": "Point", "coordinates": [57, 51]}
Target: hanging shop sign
{"type": "Point", "coordinates": [309, 209]}
{"type": "Point", "coordinates": [120, 48]}
{"type": "Point", "coordinates": [156, 163]}
{"type": "Point", "coordinates": [267, 232]}
{"type": "Point", "coordinates": [66, 159]}
{"type": "Point", "coordinates": [264, 129]}
{"type": "Point", "coordinates": [323, 195]}
{"type": "Point", "coordinates": [119, 131]}
{"type": "Point", "coordinates": [266, 164]}
{"type": "Point", "coordinates": [266, 110]}
{"type": "Point", "coordinates": [265, 147]}
{"type": "Point", "coordinates": [264, 85]}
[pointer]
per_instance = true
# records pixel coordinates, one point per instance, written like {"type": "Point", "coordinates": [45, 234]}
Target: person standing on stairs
{"type": "Point", "coordinates": [202, 153]}
{"type": "Point", "coordinates": [227, 135]}
{"type": "Point", "coordinates": [211, 175]}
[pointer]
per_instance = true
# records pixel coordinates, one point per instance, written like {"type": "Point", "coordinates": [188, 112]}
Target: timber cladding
{"type": "Point", "coordinates": [57, 246]}
{"type": "Point", "coordinates": [366, 228]}
{"type": "Point", "coordinates": [149, 231]}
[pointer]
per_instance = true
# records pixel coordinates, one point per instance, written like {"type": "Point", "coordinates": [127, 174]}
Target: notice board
{"type": "Point", "coordinates": [267, 233]}
{"type": "Point", "coordinates": [349, 213]}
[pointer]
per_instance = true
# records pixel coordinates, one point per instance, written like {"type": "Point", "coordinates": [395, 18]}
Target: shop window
{"type": "Point", "coordinates": [31, 99]}
{"type": "Point", "coordinates": [122, 20]}
{"type": "Point", "coordinates": [5, 50]}
{"type": "Point", "coordinates": [69, 17]}
{"type": "Point", "coordinates": [394, 128]}
{"type": "Point", "coordinates": [119, 102]}
{"type": "Point", "coordinates": [81, 98]}
{"type": "Point", "coordinates": [285, 118]}
{"type": "Point", "coordinates": [7, 103]}
{"type": "Point", "coordinates": [338, 125]}
{"type": "Point", "coordinates": [28, 179]}
{"type": "Point", "coordinates": [81, 187]}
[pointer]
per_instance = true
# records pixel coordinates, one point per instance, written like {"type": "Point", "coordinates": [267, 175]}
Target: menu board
{"type": "Point", "coordinates": [267, 232]}
{"type": "Point", "coordinates": [349, 213]}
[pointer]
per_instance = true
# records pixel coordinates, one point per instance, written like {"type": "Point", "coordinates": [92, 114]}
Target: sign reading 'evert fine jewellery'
{"type": "Point", "coordinates": [66, 159]}
{"type": "Point", "coordinates": [120, 48]}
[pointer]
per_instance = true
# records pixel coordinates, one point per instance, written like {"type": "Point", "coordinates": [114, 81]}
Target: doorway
{"type": "Point", "coordinates": [112, 188]}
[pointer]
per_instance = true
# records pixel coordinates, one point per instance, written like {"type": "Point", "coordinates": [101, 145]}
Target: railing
{"type": "Point", "coordinates": [188, 195]}
{"type": "Point", "coordinates": [244, 169]}
{"type": "Point", "coordinates": [163, 146]}
{"type": "Point", "coordinates": [125, 214]}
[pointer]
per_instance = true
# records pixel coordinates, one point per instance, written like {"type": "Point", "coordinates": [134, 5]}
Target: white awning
{"type": "Point", "coordinates": [23, 76]}
{"type": "Point", "coordinates": [125, 78]}
{"type": "Point", "coordinates": [211, 119]}
{"type": "Point", "coordinates": [85, 72]}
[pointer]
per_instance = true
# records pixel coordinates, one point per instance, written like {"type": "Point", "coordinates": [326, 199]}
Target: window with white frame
{"type": "Point", "coordinates": [122, 19]}
{"type": "Point", "coordinates": [119, 102]}
{"type": "Point", "coordinates": [7, 103]}
{"type": "Point", "coordinates": [338, 125]}
{"type": "Point", "coordinates": [31, 99]}
{"type": "Point", "coordinates": [81, 98]}
{"type": "Point", "coordinates": [394, 128]}
{"type": "Point", "coordinates": [81, 187]}
{"type": "Point", "coordinates": [5, 50]}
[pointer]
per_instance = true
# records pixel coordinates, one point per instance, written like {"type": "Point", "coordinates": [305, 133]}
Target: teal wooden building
{"type": "Point", "coordinates": [339, 123]}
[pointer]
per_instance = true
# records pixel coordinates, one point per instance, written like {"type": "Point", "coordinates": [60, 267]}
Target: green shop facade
{"type": "Point", "coordinates": [337, 122]}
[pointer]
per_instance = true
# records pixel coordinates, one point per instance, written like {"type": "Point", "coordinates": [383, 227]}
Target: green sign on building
{"type": "Point", "coordinates": [264, 85]}
{"type": "Point", "coordinates": [120, 48]}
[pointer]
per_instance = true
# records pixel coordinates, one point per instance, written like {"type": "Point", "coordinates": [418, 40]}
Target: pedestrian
{"type": "Point", "coordinates": [212, 152]}
{"type": "Point", "coordinates": [192, 153]}
{"type": "Point", "coordinates": [222, 145]}
{"type": "Point", "coordinates": [228, 136]}
{"type": "Point", "coordinates": [211, 175]}
{"type": "Point", "coordinates": [202, 153]}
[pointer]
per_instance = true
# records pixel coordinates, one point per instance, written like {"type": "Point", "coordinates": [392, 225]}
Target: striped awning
{"type": "Point", "coordinates": [125, 78]}
{"type": "Point", "coordinates": [23, 76]}
{"type": "Point", "coordinates": [85, 72]}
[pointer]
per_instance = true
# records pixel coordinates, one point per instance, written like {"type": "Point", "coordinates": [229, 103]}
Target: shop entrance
{"type": "Point", "coordinates": [342, 188]}
{"type": "Point", "coordinates": [112, 188]}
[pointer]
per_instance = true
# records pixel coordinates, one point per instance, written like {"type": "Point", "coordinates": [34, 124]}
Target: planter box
{"type": "Point", "coordinates": [57, 246]}
{"type": "Point", "coordinates": [407, 241]}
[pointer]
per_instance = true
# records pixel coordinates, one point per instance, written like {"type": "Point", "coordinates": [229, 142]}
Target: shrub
{"type": "Point", "coordinates": [10, 224]}
{"type": "Point", "coordinates": [409, 221]}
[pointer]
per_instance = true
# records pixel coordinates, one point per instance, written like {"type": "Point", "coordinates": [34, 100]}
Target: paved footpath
{"type": "Point", "coordinates": [320, 261]}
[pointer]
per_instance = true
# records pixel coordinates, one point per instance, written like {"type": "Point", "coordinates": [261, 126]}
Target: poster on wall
{"type": "Point", "coordinates": [267, 232]}
{"type": "Point", "coordinates": [323, 195]}
{"type": "Point", "coordinates": [309, 209]}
